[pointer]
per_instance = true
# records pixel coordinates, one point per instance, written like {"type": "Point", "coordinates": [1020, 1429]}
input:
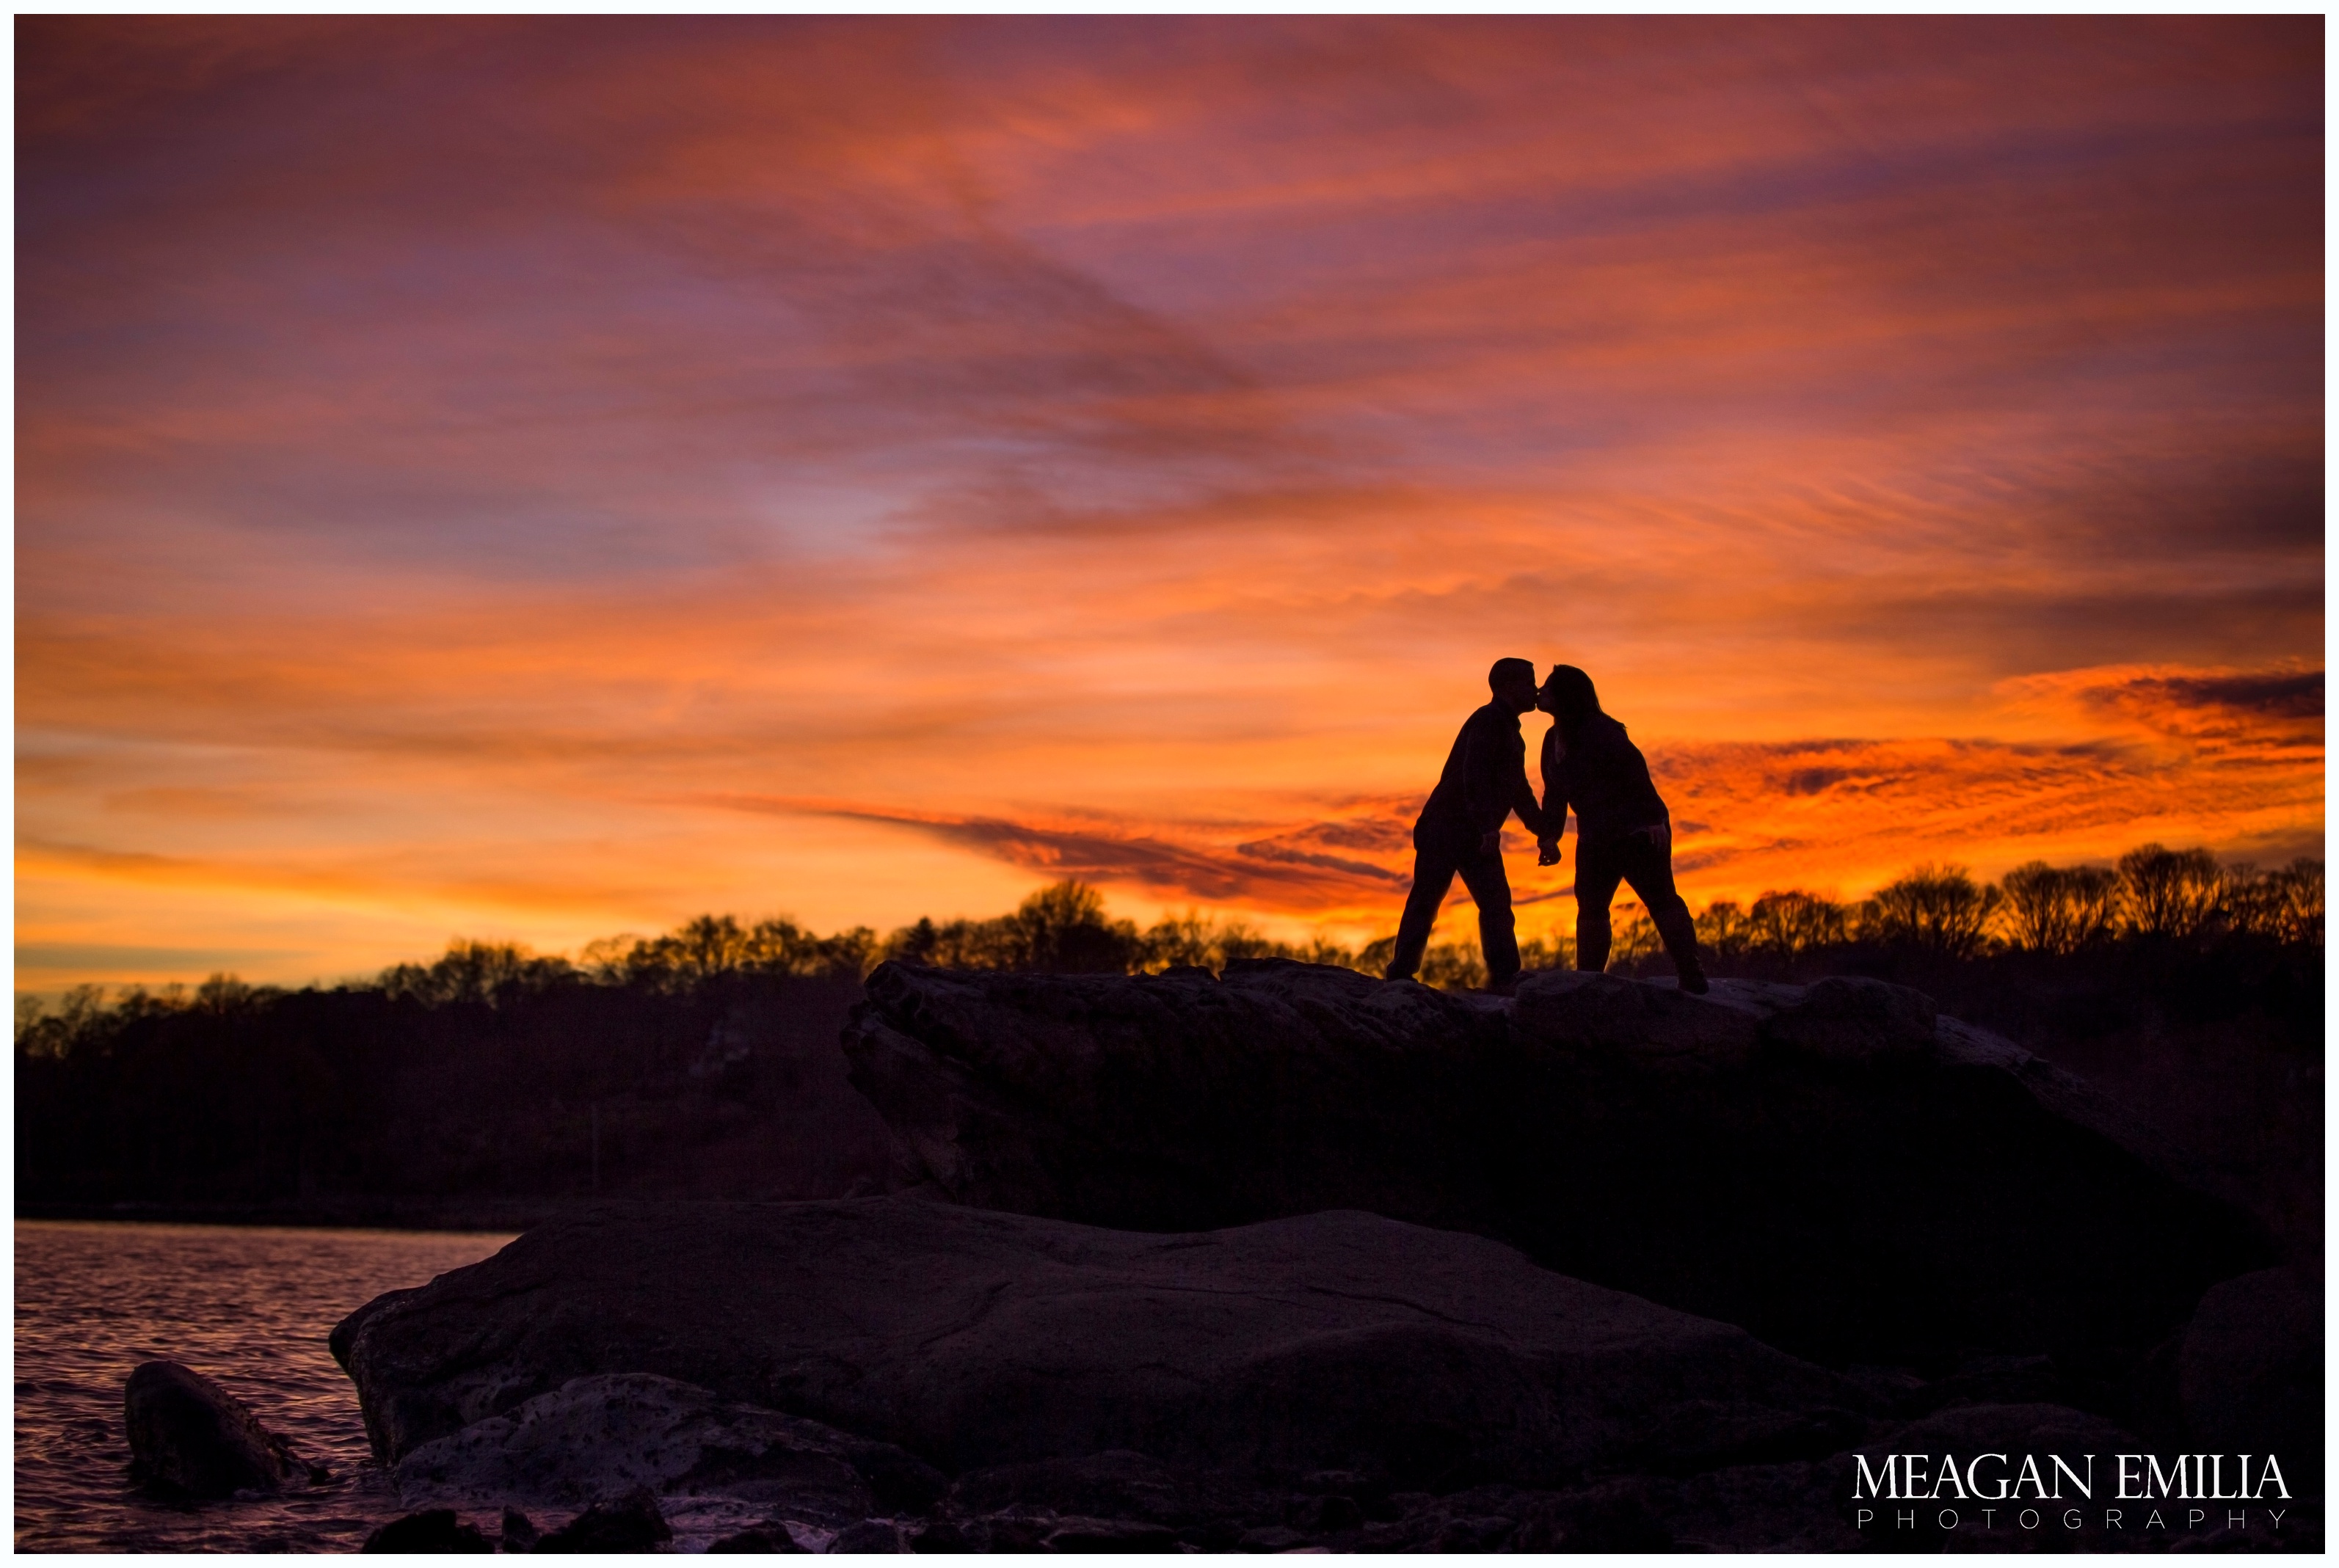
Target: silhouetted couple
{"type": "Point", "coordinates": [1623, 832]}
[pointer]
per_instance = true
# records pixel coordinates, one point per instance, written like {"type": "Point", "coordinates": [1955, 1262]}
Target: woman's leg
{"type": "Point", "coordinates": [1649, 867]}
{"type": "Point", "coordinates": [1597, 872]}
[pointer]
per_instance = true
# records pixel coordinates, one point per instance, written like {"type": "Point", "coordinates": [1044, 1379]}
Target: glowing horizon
{"type": "Point", "coordinates": [537, 479]}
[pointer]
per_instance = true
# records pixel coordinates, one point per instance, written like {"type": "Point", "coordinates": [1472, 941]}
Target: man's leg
{"type": "Point", "coordinates": [1498, 936]}
{"type": "Point", "coordinates": [1649, 867]}
{"type": "Point", "coordinates": [1432, 876]}
{"type": "Point", "coordinates": [1597, 873]}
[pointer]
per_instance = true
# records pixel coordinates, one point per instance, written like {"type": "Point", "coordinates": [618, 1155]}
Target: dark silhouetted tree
{"type": "Point", "coordinates": [2285, 905]}
{"type": "Point", "coordinates": [1789, 924]}
{"type": "Point", "coordinates": [1938, 910]}
{"type": "Point", "coordinates": [2060, 910]}
{"type": "Point", "coordinates": [1722, 928]}
{"type": "Point", "coordinates": [2170, 892]}
{"type": "Point", "coordinates": [482, 971]}
{"type": "Point", "coordinates": [2299, 918]}
{"type": "Point", "coordinates": [1633, 936]}
{"type": "Point", "coordinates": [1062, 928]}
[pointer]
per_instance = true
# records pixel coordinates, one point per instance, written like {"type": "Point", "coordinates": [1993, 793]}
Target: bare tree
{"type": "Point", "coordinates": [2060, 909]}
{"type": "Point", "coordinates": [1938, 909]}
{"type": "Point", "coordinates": [2170, 892]}
{"type": "Point", "coordinates": [1787, 924]}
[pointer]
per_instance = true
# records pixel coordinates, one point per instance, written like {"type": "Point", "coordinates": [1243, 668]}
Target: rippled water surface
{"type": "Point", "coordinates": [248, 1307]}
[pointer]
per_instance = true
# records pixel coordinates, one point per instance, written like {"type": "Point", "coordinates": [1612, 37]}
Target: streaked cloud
{"type": "Point", "coordinates": [2256, 712]}
{"type": "Point", "coordinates": [1833, 815]}
{"type": "Point", "coordinates": [461, 460]}
{"type": "Point", "coordinates": [1260, 873]}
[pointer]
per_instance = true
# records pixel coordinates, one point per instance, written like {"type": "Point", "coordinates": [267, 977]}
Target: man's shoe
{"type": "Point", "coordinates": [1693, 979]}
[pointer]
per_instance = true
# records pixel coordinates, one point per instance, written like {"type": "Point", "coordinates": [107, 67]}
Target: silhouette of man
{"type": "Point", "coordinates": [1460, 831]}
{"type": "Point", "coordinates": [1623, 831]}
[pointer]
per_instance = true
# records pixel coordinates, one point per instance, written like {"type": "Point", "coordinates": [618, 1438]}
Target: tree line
{"type": "Point", "coordinates": [704, 1061]}
{"type": "Point", "coordinates": [1062, 929]}
{"type": "Point", "coordinates": [2153, 895]}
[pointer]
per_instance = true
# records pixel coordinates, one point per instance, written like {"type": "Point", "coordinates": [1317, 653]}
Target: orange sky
{"type": "Point", "coordinates": [543, 478]}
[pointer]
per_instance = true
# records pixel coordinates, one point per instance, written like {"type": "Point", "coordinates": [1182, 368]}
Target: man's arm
{"type": "Point", "coordinates": [1522, 795]}
{"type": "Point", "coordinates": [1496, 782]}
{"type": "Point", "coordinates": [1523, 799]}
{"type": "Point", "coordinates": [1481, 769]}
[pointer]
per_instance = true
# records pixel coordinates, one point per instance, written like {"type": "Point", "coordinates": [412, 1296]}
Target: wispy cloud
{"type": "Point", "coordinates": [1259, 875]}
{"type": "Point", "coordinates": [1099, 445]}
{"type": "Point", "coordinates": [1836, 816]}
{"type": "Point", "coordinates": [2218, 716]}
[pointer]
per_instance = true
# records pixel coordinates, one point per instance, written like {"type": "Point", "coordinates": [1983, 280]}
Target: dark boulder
{"type": "Point", "coordinates": [629, 1523]}
{"type": "Point", "coordinates": [1023, 1533]}
{"type": "Point", "coordinates": [519, 1532]}
{"type": "Point", "coordinates": [764, 1540]}
{"type": "Point", "coordinates": [1339, 1341]}
{"type": "Point", "coordinates": [939, 1537]}
{"type": "Point", "coordinates": [869, 1535]}
{"type": "Point", "coordinates": [189, 1437]}
{"type": "Point", "coordinates": [1326, 1515]}
{"type": "Point", "coordinates": [432, 1530]}
{"type": "Point", "coordinates": [1116, 1483]}
{"type": "Point", "coordinates": [2249, 1372]}
{"type": "Point", "coordinates": [1274, 1538]}
{"type": "Point", "coordinates": [1109, 1536]}
{"type": "Point", "coordinates": [1834, 1168]}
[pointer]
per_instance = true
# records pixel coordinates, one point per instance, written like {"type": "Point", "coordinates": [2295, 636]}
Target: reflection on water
{"type": "Point", "coordinates": [249, 1307]}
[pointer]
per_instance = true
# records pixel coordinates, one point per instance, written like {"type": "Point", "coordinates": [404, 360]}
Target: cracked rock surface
{"type": "Point", "coordinates": [601, 1436]}
{"type": "Point", "coordinates": [967, 1338]}
{"type": "Point", "coordinates": [1834, 1168]}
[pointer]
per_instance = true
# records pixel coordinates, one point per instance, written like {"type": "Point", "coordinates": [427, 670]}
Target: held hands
{"type": "Point", "coordinates": [1546, 852]}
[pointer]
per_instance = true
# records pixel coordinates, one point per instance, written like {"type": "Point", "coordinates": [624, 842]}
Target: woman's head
{"type": "Point", "coordinates": [1567, 696]}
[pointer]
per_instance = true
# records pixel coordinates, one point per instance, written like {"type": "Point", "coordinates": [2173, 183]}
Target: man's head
{"type": "Point", "coordinates": [1513, 684]}
{"type": "Point", "coordinates": [1568, 696]}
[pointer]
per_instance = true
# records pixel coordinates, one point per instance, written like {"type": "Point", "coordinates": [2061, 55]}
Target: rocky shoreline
{"type": "Point", "coordinates": [1293, 1258]}
{"type": "Point", "coordinates": [901, 1373]}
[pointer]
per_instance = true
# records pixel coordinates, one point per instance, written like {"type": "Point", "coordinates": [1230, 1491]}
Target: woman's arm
{"type": "Point", "coordinates": [1554, 765]}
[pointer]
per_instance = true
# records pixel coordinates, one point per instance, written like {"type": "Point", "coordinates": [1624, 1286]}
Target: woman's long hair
{"type": "Point", "coordinates": [1573, 700]}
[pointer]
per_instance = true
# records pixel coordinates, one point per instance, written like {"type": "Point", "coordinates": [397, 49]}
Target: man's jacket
{"type": "Point", "coordinates": [1484, 780]}
{"type": "Point", "coordinates": [1604, 777]}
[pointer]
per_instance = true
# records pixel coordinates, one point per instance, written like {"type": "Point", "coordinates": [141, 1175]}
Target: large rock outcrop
{"type": "Point", "coordinates": [1832, 1167]}
{"type": "Point", "coordinates": [1334, 1341]}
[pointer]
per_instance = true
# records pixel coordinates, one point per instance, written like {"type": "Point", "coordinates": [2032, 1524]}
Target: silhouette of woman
{"type": "Point", "coordinates": [1623, 832]}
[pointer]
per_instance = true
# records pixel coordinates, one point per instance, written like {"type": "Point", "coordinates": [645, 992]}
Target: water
{"type": "Point", "coordinates": [248, 1307]}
